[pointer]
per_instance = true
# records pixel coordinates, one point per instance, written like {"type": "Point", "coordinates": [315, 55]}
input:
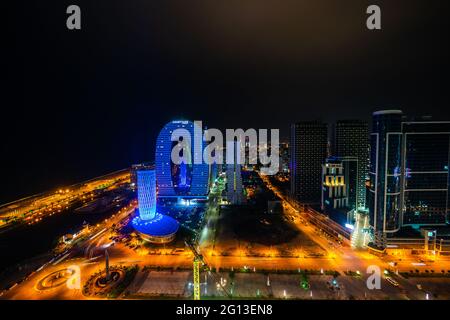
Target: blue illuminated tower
{"type": "Point", "coordinates": [151, 226]}
{"type": "Point", "coordinates": [146, 181]}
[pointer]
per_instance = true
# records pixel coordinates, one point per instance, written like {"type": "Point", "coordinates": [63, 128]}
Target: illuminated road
{"type": "Point", "coordinates": [343, 256]}
{"type": "Point", "coordinates": [207, 235]}
{"type": "Point", "coordinates": [35, 208]}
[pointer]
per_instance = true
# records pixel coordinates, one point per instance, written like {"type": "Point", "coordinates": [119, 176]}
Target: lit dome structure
{"type": "Point", "coordinates": [152, 226]}
{"type": "Point", "coordinates": [161, 229]}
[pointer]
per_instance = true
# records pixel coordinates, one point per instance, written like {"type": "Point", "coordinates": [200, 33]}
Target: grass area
{"type": "Point", "coordinates": [253, 226]}
{"type": "Point", "coordinates": [159, 268]}
{"type": "Point", "coordinates": [312, 272]}
{"type": "Point", "coordinates": [130, 273]}
{"type": "Point", "coordinates": [352, 274]}
{"type": "Point", "coordinates": [426, 274]}
{"type": "Point", "coordinates": [113, 290]}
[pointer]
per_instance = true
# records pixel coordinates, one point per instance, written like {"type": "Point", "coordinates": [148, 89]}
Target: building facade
{"type": "Point", "coordinates": [385, 172]}
{"type": "Point", "coordinates": [133, 172]}
{"type": "Point", "coordinates": [351, 140]}
{"type": "Point", "coordinates": [235, 193]}
{"type": "Point", "coordinates": [425, 197]}
{"type": "Point", "coordinates": [334, 186]}
{"type": "Point", "coordinates": [308, 151]}
{"type": "Point", "coordinates": [409, 178]}
{"type": "Point", "coordinates": [284, 158]}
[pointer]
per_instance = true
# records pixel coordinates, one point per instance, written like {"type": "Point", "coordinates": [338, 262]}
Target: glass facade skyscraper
{"type": "Point", "coordinates": [426, 178]}
{"type": "Point", "coordinates": [409, 178]}
{"type": "Point", "coordinates": [385, 173]}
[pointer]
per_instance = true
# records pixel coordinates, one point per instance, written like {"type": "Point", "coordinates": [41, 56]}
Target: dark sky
{"type": "Point", "coordinates": [81, 103]}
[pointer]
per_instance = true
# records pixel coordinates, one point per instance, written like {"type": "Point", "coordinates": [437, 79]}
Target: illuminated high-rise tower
{"type": "Point", "coordinates": [146, 181]}
{"type": "Point", "coordinates": [151, 226]}
{"type": "Point", "coordinates": [351, 140]}
{"type": "Point", "coordinates": [409, 176]}
{"type": "Point", "coordinates": [308, 151]}
{"type": "Point", "coordinates": [234, 178]}
{"type": "Point", "coordinates": [385, 174]}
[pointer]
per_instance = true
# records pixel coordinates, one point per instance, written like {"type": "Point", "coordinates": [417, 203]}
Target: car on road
{"type": "Point", "coordinates": [392, 281]}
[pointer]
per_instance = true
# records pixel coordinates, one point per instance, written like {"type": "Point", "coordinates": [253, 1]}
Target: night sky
{"type": "Point", "coordinates": [78, 104]}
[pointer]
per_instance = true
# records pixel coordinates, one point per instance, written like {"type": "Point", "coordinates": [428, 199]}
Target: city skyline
{"type": "Point", "coordinates": [331, 149]}
{"type": "Point", "coordinates": [182, 228]}
{"type": "Point", "coordinates": [264, 151]}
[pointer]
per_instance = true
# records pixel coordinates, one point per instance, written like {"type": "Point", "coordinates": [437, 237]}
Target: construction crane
{"type": "Point", "coordinates": [196, 279]}
{"type": "Point", "coordinates": [198, 260]}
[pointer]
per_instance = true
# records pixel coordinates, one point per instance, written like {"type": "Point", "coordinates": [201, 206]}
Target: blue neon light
{"type": "Point", "coordinates": [161, 225]}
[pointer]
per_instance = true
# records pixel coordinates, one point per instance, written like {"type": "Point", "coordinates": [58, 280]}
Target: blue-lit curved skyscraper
{"type": "Point", "coordinates": [188, 179]}
{"type": "Point", "coordinates": [146, 180]}
{"type": "Point", "coordinates": [152, 226]}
